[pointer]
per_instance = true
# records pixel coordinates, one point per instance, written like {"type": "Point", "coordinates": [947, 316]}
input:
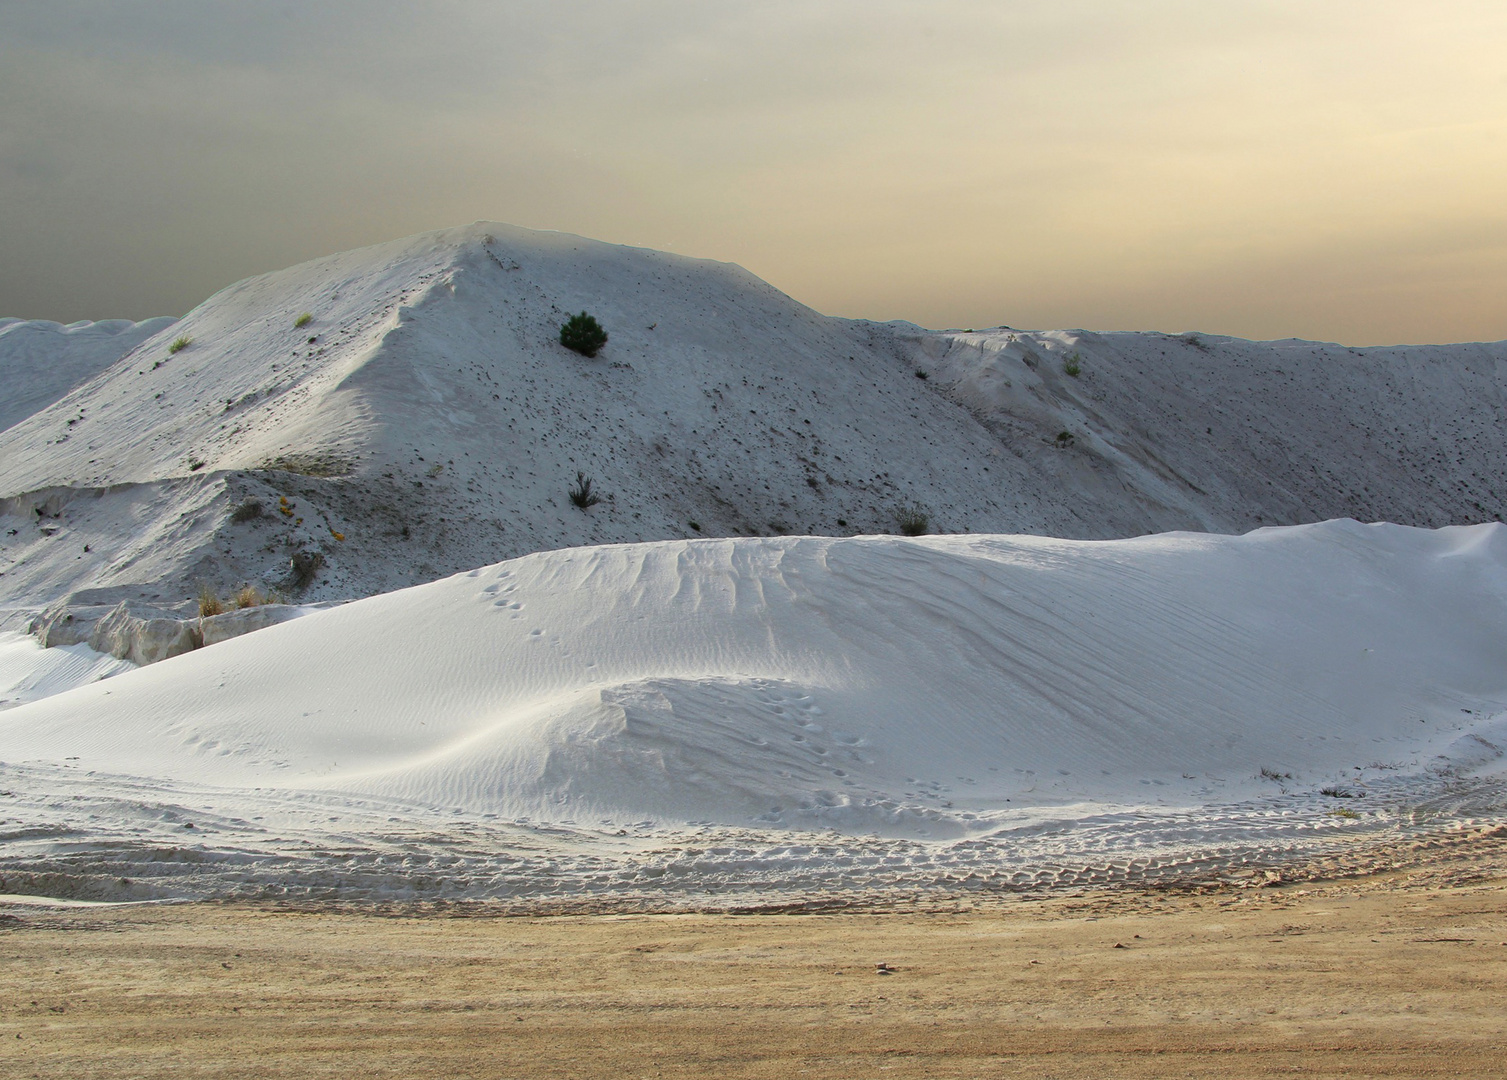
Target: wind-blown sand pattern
{"type": "Point", "coordinates": [726, 722]}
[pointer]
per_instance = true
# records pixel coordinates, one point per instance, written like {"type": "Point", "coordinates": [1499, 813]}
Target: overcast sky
{"type": "Point", "coordinates": [1333, 169]}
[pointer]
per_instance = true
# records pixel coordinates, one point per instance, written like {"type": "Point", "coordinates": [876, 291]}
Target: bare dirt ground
{"type": "Point", "coordinates": [1388, 962]}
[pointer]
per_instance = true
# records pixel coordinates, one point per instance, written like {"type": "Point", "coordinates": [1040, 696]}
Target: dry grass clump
{"type": "Point", "coordinates": [249, 596]}
{"type": "Point", "coordinates": [319, 463]}
{"type": "Point", "coordinates": [209, 602]}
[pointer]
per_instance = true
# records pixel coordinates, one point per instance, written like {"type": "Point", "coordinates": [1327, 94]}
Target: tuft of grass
{"type": "Point", "coordinates": [912, 519]}
{"type": "Point", "coordinates": [1073, 365]}
{"type": "Point", "coordinates": [1335, 791]}
{"type": "Point", "coordinates": [1344, 813]}
{"type": "Point", "coordinates": [180, 343]}
{"type": "Point", "coordinates": [922, 374]}
{"type": "Point", "coordinates": [209, 602]}
{"type": "Point", "coordinates": [303, 320]}
{"type": "Point", "coordinates": [249, 596]}
{"type": "Point", "coordinates": [581, 494]}
{"type": "Point", "coordinates": [1273, 774]}
{"type": "Point", "coordinates": [249, 510]}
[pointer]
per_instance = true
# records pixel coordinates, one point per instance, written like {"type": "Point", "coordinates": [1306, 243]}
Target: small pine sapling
{"type": "Point", "coordinates": [581, 494]}
{"type": "Point", "coordinates": [583, 334]}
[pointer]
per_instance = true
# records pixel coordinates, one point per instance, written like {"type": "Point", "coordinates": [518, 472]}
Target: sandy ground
{"type": "Point", "coordinates": [1393, 963]}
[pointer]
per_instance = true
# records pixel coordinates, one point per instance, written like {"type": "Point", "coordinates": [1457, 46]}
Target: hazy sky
{"type": "Point", "coordinates": [1320, 168]}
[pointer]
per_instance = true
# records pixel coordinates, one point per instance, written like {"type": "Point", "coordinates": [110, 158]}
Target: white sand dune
{"type": "Point", "coordinates": [29, 672]}
{"type": "Point", "coordinates": [905, 687]}
{"type": "Point", "coordinates": [623, 704]}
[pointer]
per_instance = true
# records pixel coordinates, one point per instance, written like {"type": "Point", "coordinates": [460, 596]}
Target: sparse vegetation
{"type": "Point", "coordinates": [321, 463]}
{"type": "Point", "coordinates": [912, 519]}
{"type": "Point", "coordinates": [1344, 813]}
{"type": "Point", "coordinates": [247, 510]}
{"type": "Point", "coordinates": [921, 374]}
{"type": "Point", "coordinates": [303, 320]}
{"type": "Point", "coordinates": [695, 525]}
{"type": "Point", "coordinates": [1273, 774]}
{"type": "Point", "coordinates": [1064, 439]}
{"type": "Point", "coordinates": [583, 334]}
{"type": "Point", "coordinates": [305, 566]}
{"type": "Point", "coordinates": [1073, 365]}
{"type": "Point", "coordinates": [180, 343]}
{"type": "Point", "coordinates": [209, 602]}
{"type": "Point", "coordinates": [1335, 791]}
{"type": "Point", "coordinates": [581, 494]}
{"type": "Point", "coordinates": [249, 596]}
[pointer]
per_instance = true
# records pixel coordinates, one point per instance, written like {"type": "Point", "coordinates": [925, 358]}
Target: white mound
{"type": "Point", "coordinates": [41, 361]}
{"type": "Point", "coordinates": [875, 684]}
{"type": "Point", "coordinates": [425, 419]}
{"type": "Point", "coordinates": [1220, 434]}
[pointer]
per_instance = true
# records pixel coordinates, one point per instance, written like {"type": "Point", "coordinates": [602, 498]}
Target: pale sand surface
{"type": "Point", "coordinates": [1386, 962]}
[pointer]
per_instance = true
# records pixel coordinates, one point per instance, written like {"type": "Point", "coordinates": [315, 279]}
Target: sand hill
{"type": "Point", "coordinates": [426, 420]}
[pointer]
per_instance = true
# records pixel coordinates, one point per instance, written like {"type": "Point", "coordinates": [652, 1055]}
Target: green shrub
{"type": "Point", "coordinates": [182, 342]}
{"type": "Point", "coordinates": [912, 519]}
{"type": "Point", "coordinates": [249, 510]}
{"type": "Point", "coordinates": [1073, 365]}
{"type": "Point", "coordinates": [583, 334]}
{"type": "Point", "coordinates": [303, 320]}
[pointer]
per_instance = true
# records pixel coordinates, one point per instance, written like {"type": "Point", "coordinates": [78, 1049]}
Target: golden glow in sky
{"type": "Point", "coordinates": [1333, 169]}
